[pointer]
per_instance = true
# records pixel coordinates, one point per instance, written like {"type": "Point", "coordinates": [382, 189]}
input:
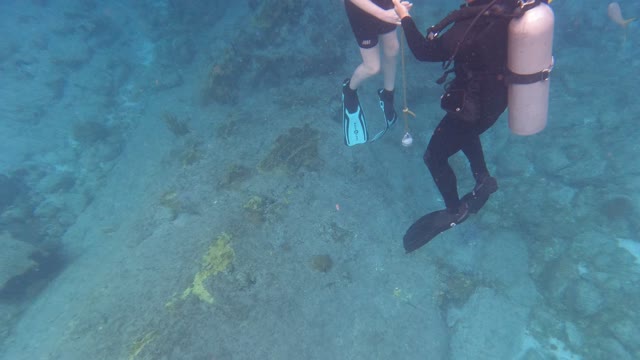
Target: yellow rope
{"type": "Point", "coordinates": [405, 109]}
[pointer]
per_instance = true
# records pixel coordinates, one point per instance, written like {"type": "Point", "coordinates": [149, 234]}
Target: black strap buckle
{"type": "Point", "coordinates": [523, 79]}
{"type": "Point", "coordinates": [545, 74]}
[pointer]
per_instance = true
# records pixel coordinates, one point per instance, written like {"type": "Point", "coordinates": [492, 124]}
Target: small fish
{"type": "Point", "coordinates": [615, 14]}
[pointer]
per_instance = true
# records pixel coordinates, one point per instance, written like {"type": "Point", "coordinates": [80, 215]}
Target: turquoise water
{"type": "Point", "coordinates": [174, 185]}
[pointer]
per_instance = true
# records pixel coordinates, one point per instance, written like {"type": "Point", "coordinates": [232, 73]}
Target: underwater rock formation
{"type": "Point", "coordinates": [178, 127]}
{"type": "Point", "coordinates": [261, 53]}
{"type": "Point", "coordinates": [9, 189]}
{"type": "Point", "coordinates": [294, 151]}
{"type": "Point", "coordinates": [15, 259]}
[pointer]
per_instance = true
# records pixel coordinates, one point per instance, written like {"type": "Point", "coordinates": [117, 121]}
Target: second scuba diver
{"type": "Point", "coordinates": [476, 46]}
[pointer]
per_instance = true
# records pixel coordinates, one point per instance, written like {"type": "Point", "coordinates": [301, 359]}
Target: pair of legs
{"type": "Point", "coordinates": [451, 136]}
{"type": "Point", "coordinates": [379, 50]}
{"type": "Point", "coordinates": [373, 62]}
{"type": "Point", "coordinates": [454, 134]}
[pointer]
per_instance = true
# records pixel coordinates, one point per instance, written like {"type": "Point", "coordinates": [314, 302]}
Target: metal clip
{"type": "Point", "coordinates": [547, 72]}
{"type": "Point", "coordinates": [523, 3]}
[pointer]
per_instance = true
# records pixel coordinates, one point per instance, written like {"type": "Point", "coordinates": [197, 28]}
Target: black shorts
{"type": "Point", "coordinates": [366, 27]}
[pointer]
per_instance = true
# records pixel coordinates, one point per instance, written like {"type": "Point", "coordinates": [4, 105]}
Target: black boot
{"type": "Point", "coordinates": [476, 199]}
{"type": "Point", "coordinates": [350, 97]}
{"type": "Point", "coordinates": [386, 104]}
{"type": "Point", "coordinates": [459, 214]}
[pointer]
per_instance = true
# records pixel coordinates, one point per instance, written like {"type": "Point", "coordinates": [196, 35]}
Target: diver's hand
{"type": "Point", "coordinates": [390, 16]}
{"type": "Point", "coordinates": [402, 8]}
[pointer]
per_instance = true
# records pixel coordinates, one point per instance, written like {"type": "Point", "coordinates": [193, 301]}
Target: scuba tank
{"type": "Point", "coordinates": [529, 64]}
{"type": "Point", "coordinates": [529, 59]}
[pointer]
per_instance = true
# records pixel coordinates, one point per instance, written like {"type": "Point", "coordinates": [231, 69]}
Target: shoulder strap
{"type": "Point", "coordinates": [465, 12]}
{"type": "Point", "coordinates": [456, 15]}
{"type": "Point", "coordinates": [478, 12]}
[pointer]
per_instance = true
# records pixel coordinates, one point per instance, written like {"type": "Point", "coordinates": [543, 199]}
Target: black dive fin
{"type": "Point", "coordinates": [426, 228]}
{"type": "Point", "coordinates": [432, 224]}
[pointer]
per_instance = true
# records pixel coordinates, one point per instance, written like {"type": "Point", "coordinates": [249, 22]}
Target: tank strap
{"type": "Point", "coordinates": [524, 79]}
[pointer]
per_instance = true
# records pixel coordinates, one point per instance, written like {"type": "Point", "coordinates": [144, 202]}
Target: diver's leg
{"type": "Point", "coordinates": [493, 104]}
{"type": "Point", "coordinates": [445, 142]}
{"type": "Point", "coordinates": [472, 149]}
{"type": "Point", "coordinates": [365, 29]}
{"type": "Point", "coordinates": [370, 66]}
{"type": "Point", "coordinates": [485, 183]}
{"type": "Point", "coordinates": [390, 48]}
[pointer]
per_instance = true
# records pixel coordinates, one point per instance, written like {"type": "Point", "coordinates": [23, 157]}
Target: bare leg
{"type": "Point", "coordinates": [369, 67]}
{"type": "Point", "coordinates": [390, 48]}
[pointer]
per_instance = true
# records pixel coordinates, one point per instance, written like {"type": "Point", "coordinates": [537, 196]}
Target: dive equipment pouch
{"type": "Point", "coordinates": [452, 101]}
{"type": "Point", "coordinates": [461, 103]}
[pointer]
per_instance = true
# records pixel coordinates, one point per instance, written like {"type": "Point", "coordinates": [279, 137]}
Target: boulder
{"type": "Point", "coordinates": [15, 259]}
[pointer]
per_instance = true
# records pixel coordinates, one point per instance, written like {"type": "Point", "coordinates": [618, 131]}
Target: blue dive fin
{"type": "Point", "coordinates": [355, 127]}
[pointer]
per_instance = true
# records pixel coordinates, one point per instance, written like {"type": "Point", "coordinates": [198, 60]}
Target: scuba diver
{"type": "Point", "coordinates": [473, 48]}
{"type": "Point", "coordinates": [371, 21]}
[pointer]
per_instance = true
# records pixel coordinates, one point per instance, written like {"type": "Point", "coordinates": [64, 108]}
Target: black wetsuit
{"type": "Point", "coordinates": [365, 26]}
{"type": "Point", "coordinates": [473, 100]}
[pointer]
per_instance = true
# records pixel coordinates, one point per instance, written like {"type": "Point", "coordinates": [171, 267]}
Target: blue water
{"type": "Point", "coordinates": [174, 185]}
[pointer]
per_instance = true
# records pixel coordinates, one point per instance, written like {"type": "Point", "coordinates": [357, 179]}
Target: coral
{"type": "Point", "coordinates": [234, 175]}
{"type": "Point", "coordinates": [140, 343]}
{"type": "Point", "coordinates": [222, 77]}
{"type": "Point", "coordinates": [178, 203]}
{"type": "Point", "coordinates": [339, 234]}
{"type": "Point", "coordinates": [321, 263]}
{"type": "Point", "coordinates": [255, 204]}
{"type": "Point", "coordinates": [259, 54]}
{"type": "Point", "coordinates": [404, 296]}
{"type": "Point", "coordinates": [232, 125]}
{"type": "Point", "coordinates": [460, 287]}
{"type": "Point", "coordinates": [218, 258]}
{"type": "Point", "coordinates": [191, 154]}
{"type": "Point", "coordinates": [258, 209]}
{"type": "Point", "coordinates": [294, 151]}
{"type": "Point", "coordinates": [171, 201]}
{"type": "Point", "coordinates": [274, 13]}
{"type": "Point", "coordinates": [90, 132]}
{"type": "Point", "coordinates": [176, 126]}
